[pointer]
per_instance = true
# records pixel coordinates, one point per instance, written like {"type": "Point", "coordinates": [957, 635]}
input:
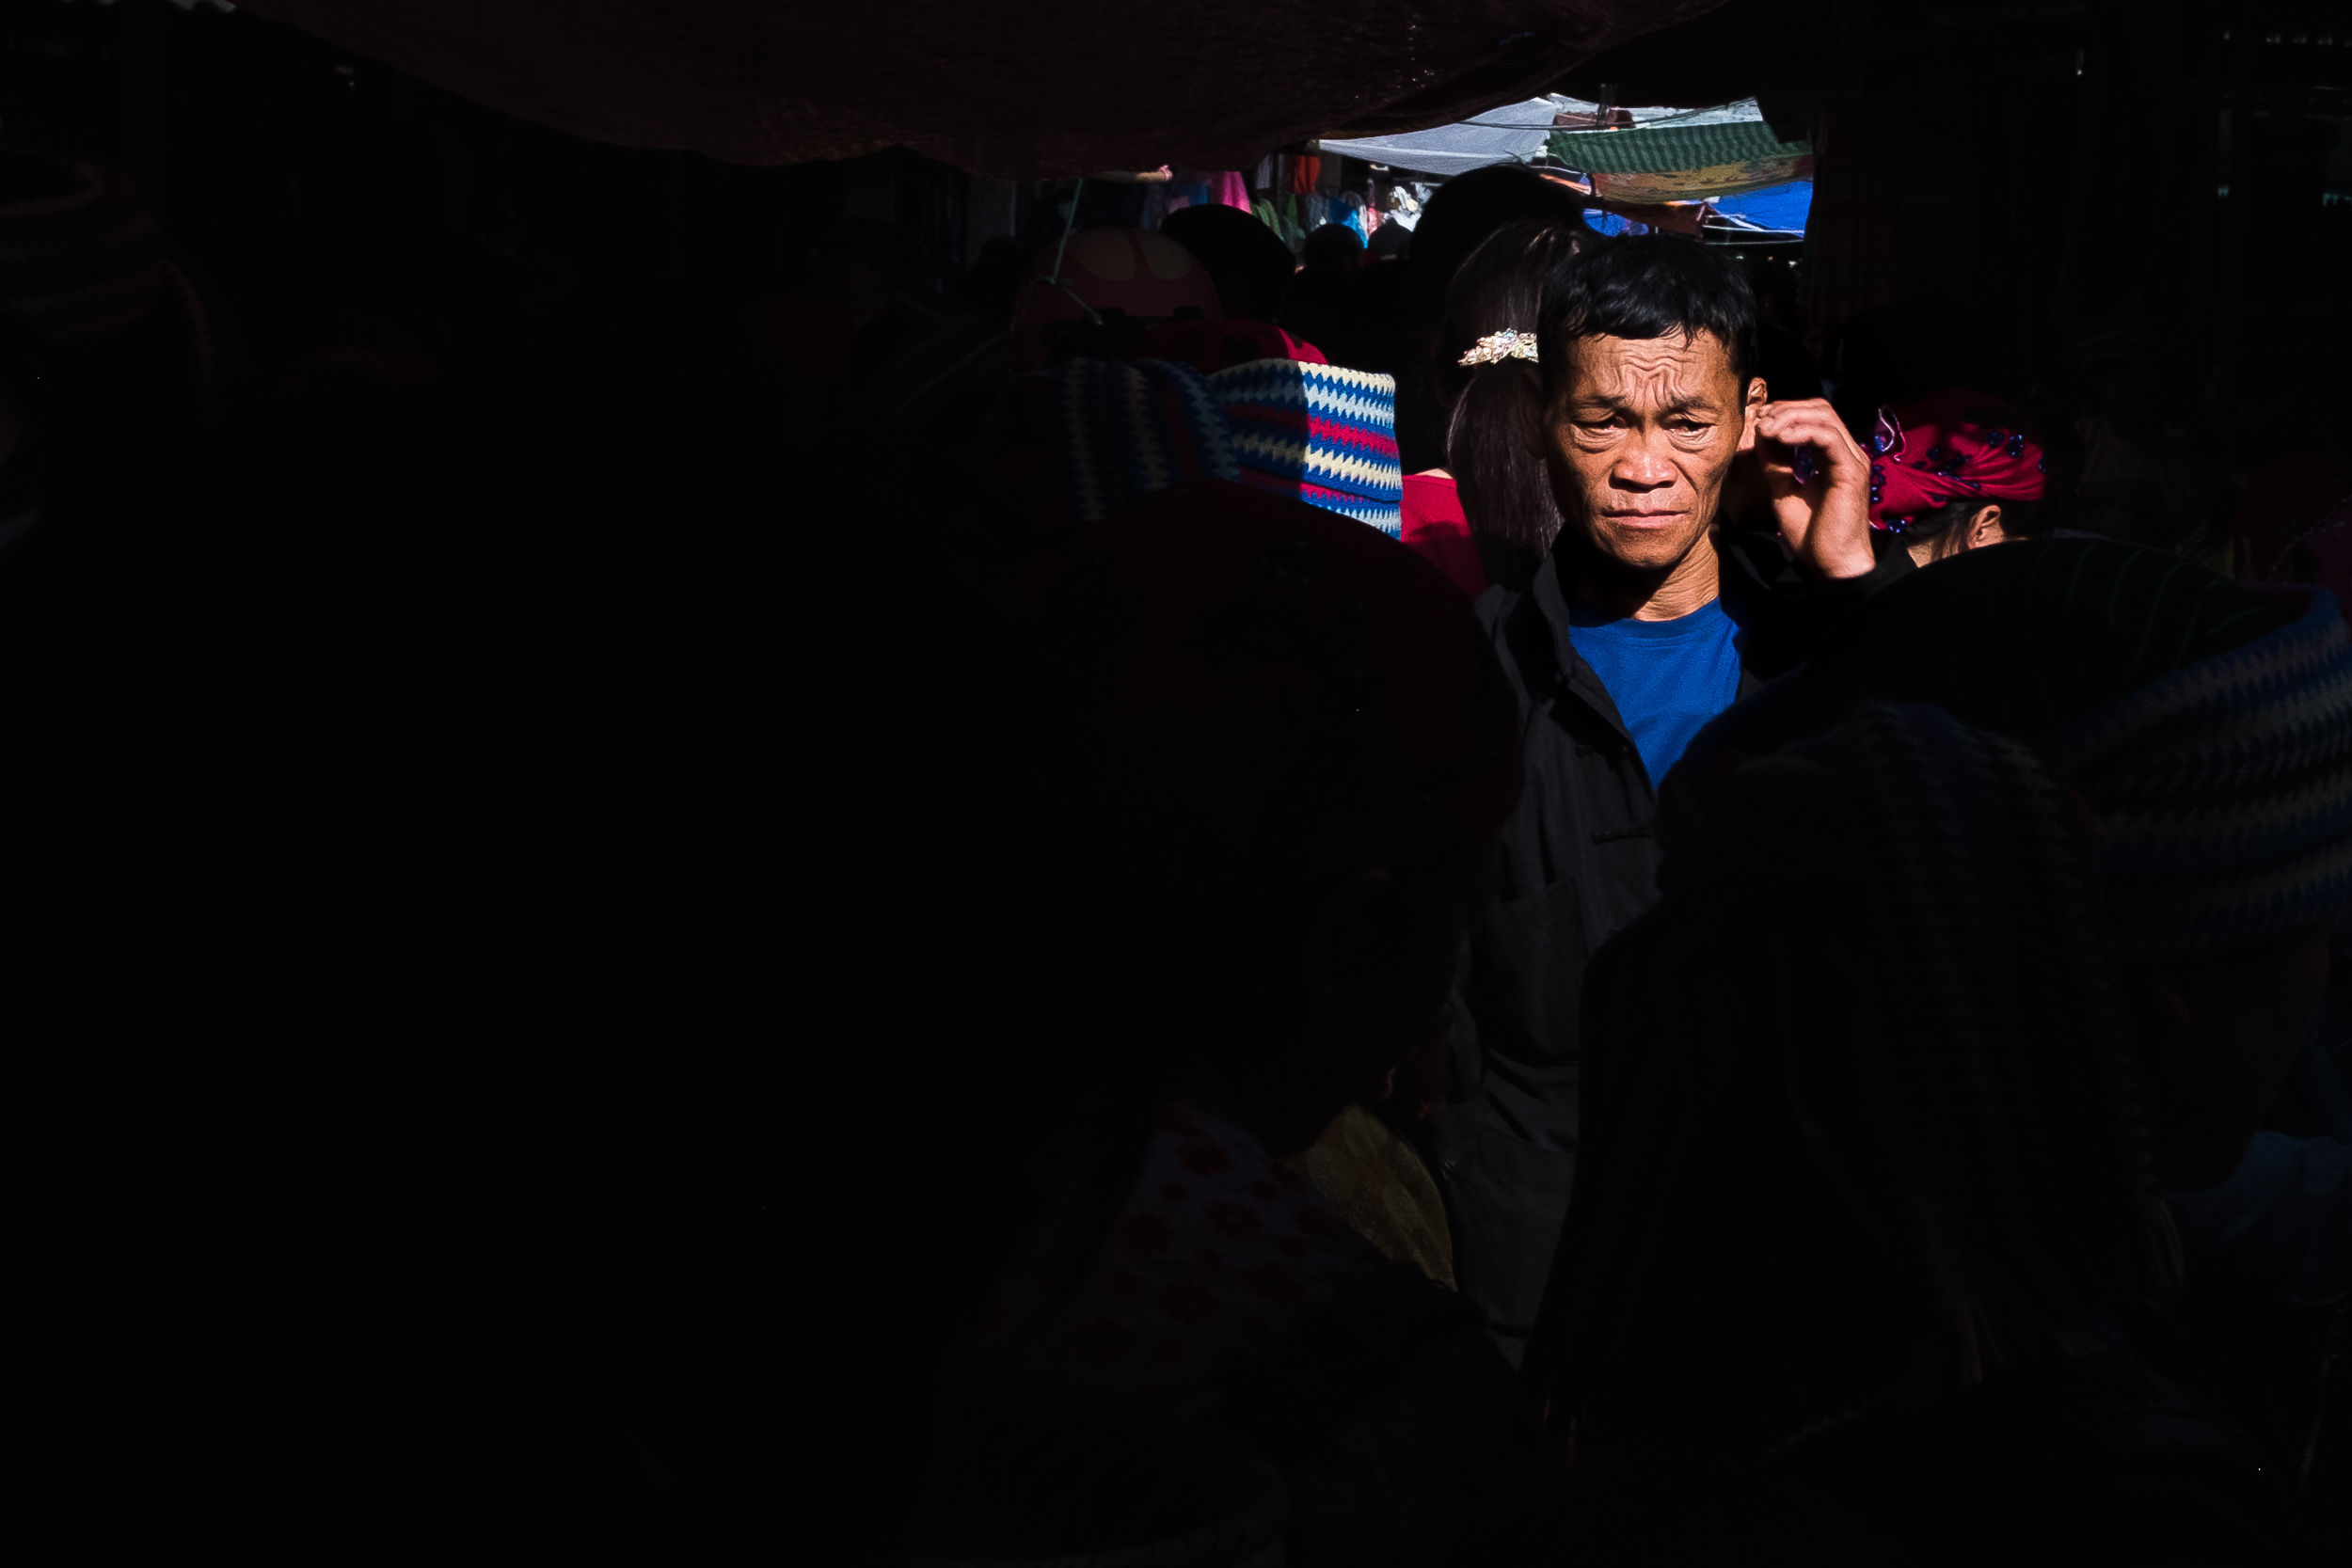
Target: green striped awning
{"type": "Point", "coordinates": [1663, 150]}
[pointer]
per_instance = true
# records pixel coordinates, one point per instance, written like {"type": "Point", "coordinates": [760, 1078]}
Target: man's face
{"type": "Point", "coordinates": [1639, 437]}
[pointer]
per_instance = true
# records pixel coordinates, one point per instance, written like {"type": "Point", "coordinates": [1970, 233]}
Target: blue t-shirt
{"type": "Point", "coordinates": [1668, 678]}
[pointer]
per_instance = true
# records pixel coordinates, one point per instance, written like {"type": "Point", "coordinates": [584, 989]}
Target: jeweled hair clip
{"type": "Point", "coordinates": [1509, 343]}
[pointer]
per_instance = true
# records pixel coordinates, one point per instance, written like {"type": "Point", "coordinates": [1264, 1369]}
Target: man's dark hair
{"type": "Point", "coordinates": [1647, 286]}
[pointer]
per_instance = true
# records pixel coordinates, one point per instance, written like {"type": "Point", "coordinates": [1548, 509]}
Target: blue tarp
{"type": "Point", "coordinates": [1777, 207]}
{"type": "Point", "coordinates": [1781, 207]}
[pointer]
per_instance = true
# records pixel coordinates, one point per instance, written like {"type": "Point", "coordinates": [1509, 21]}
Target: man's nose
{"type": "Point", "coordinates": [1643, 469]}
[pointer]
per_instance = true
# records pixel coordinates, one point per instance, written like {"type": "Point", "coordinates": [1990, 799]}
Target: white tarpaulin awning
{"type": "Point", "coordinates": [1512, 135]}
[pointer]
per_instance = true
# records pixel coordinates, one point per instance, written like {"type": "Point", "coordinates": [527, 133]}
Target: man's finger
{"type": "Point", "coordinates": [1817, 424]}
{"type": "Point", "coordinates": [1830, 439]}
{"type": "Point", "coordinates": [1809, 409]}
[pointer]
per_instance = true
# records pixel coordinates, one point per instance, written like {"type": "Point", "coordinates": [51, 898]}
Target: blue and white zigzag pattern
{"type": "Point", "coordinates": [1328, 431]}
{"type": "Point", "coordinates": [1130, 430]}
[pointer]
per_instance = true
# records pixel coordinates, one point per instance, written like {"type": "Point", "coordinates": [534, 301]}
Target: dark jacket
{"type": "Point", "coordinates": [1579, 863]}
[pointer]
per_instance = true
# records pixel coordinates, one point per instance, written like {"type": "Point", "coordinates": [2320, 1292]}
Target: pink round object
{"type": "Point", "coordinates": [1143, 273]}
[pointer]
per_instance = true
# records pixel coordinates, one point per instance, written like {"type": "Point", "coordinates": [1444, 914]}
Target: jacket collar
{"type": "Point", "coordinates": [1577, 678]}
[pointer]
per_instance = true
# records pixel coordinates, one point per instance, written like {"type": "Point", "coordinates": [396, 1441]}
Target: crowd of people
{"type": "Point", "coordinates": [1555, 922]}
{"type": "Point", "coordinates": [1609, 958]}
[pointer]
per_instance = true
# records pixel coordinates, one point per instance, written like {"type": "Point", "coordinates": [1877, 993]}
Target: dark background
{"type": "Point", "coordinates": [556, 334]}
{"type": "Point", "coordinates": [503, 609]}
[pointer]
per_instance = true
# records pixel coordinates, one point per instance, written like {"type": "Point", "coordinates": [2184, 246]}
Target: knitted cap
{"type": "Point", "coordinates": [1319, 432]}
{"type": "Point", "coordinates": [1322, 433]}
{"type": "Point", "coordinates": [2223, 790]}
{"type": "Point", "coordinates": [78, 258]}
{"type": "Point", "coordinates": [1132, 429]}
{"type": "Point", "coordinates": [2205, 723]}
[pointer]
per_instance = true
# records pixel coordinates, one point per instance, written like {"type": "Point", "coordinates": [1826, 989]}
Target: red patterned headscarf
{"type": "Point", "coordinates": [1948, 447]}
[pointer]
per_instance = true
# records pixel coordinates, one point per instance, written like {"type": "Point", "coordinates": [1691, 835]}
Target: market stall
{"type": "Point", "coordinates": [1719, 172]}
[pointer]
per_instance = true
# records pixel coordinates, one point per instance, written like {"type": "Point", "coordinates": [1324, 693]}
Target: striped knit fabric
{"type": "Point", "coordinates": [2223, 790]}
{"type": "Point", "coordinates": [1131, 429]}
{"type": "Point", "coordinates": [82, 263]}
{"type": "Point", "coordinates": [1322, 433]}
{"type": "Point", "coordinates": [2206, 724]}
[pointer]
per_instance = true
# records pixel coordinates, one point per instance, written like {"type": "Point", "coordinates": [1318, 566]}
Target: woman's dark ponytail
{"type": "Point", "coordinates": [1494, 411]}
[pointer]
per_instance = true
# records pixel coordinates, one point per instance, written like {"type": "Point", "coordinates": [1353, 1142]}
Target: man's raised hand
{"type": "Point", "coordinates": [1826, 517]}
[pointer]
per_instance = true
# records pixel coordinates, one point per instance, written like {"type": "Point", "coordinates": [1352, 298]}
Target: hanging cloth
{"type": "Point", "coordinates": [1189, 188]}
{"type": "Point", "coordinates": [1294, 233]}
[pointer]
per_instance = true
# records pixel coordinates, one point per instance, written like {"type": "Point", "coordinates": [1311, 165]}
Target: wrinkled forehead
{"type": "Point", "coordinates": [1677, 369]}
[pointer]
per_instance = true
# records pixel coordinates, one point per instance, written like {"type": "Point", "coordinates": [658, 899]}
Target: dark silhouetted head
{"type": "Point", "coordinates": [1251, 266]}
{"type": "Point", "coordinates": [1465, 211]}
{"type": "Point", "coordinates": [1334, 248]}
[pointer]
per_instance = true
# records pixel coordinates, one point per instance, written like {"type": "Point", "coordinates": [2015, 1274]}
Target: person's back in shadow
{"type": "Point", "coordinates": [1878, 1099]}
{"type": "Point", "coordinates": [1199, 733]}
{"type": "Point", "coordinates": [1314, 306]}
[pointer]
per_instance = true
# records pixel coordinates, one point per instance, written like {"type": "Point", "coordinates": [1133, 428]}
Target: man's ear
{"type": "Point", "coordinates": [1749, 410]}
{"type": "Point", "coordinates": [1985, 527]}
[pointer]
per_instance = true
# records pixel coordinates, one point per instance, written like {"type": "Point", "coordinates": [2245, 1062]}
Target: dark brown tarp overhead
{"type": "Point", "coordinates": [1016, 90]}
{"type": "Point", "coordinates": [1735, 50]}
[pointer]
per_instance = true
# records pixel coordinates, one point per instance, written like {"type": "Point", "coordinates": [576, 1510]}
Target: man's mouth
{"type": "Point", "coordinates": [1642, 516]}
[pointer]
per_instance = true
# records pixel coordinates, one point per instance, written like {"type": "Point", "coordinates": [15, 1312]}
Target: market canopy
{"type": "Point", "coordinates": [1051, 88]}
{"type": "Point", "coordinates": [1514, 134]}
{"type": "Point", "coordinates": [1511, 134]}
{"type": "Point", "coordinates": [1756, 184]}
{"type": "Point", "coordinates": [1686, 160]}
